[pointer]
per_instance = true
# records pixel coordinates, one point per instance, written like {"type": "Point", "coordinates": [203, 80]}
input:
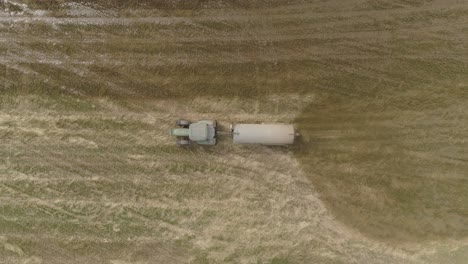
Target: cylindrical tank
{"type": "Point", "coordinates": [266, 134]}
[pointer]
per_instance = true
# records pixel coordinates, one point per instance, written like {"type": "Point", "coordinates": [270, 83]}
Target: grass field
{"type": "Point", "coordinates": [378, 90]}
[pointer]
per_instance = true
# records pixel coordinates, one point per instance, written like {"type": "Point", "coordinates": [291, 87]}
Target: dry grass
{"type": "Point", "coordinates": [89, 174]}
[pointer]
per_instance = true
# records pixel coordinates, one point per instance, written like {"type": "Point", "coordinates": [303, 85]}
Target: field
{"type": "Point", "coordinates": [377, 88]}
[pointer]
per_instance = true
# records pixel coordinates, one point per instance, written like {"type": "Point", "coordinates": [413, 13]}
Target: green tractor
{"type": "Point", "coordinates": [202, 132]}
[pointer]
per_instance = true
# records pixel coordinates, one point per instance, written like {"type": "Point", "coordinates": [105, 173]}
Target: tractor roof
{"type": "Point", "coordinates": [198, 131]}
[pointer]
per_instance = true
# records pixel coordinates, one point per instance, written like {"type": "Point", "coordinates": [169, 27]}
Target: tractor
{"type": "Point", "coordinates": [201, 132]}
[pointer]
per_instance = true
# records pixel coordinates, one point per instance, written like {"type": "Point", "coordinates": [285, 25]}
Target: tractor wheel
{"type": "Point", "coordinates": [182, 123]}
{"type": "Point", "coordinates": [182, 142]}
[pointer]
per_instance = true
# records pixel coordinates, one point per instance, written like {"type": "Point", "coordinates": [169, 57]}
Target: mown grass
{"type": "Point", "coordinates": [383, 139]}
{"type": "Point", "coordinates": [85, 250]}
{"type": "Point", "coordinates": [386, 4]}
{"type": "Point", "coordinates": [143, 81]}
{"type": "Point", "coordinates": [381, 151]}
{"type": "Point", "coordinates": [366, 126]}
{"type": "Point", "coordinates": [164, 4]}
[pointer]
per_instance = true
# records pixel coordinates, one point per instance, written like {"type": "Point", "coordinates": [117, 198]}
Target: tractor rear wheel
{"type": "Point", "coordinates": [182, 123]}
{"type": "Point", "coordinates": [182, 142]}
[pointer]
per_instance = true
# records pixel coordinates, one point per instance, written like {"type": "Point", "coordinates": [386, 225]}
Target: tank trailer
{"type": "Point", "coordinates": [205, 132]}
